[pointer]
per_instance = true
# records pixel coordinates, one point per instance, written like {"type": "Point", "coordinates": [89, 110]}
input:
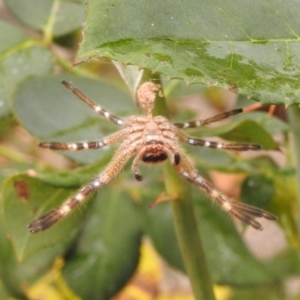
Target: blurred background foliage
{"type": "Point", "coordinates": [116, 242]}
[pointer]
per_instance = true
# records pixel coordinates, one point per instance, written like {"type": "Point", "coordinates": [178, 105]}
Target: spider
{"type": "Point", "coordinates": [152, 140]}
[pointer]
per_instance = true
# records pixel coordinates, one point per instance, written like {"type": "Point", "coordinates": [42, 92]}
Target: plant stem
{"type": "Point", "coordinates": [185, 223]}
{"type": "Point", "coordinates": [294, 120]}
{"type": "Point", "coordinates": [48, 29]}
{"type": "Point", "coordinates": [188, 236]}
{"type": "Point", "coordinates": [13, 155]}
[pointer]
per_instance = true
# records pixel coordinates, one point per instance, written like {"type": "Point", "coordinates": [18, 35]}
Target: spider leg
{"type": "Point", "coordinates": [100, 110]}
{"type": "Point", "coordinates": [135, 167]}
{"type": "Point", "coordinates": [215, 145]}
{"type": "Point", "coordinates": [241, 211]}
{"type": "Point", "coordinates": [47, 220]}
{"type": "Point", "coordinates": [109, 140]}
{"type": "Point", "coordinates": [213, 119]}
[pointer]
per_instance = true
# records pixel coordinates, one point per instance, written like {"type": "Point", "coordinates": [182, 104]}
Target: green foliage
{"type": "Point", "coordinates": [252, 48]}
{"type": "Point", "coordinates": [60, 17]}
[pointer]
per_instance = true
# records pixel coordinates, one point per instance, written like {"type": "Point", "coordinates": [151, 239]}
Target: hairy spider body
{"type": "Point", "coordinates": [152, 140]}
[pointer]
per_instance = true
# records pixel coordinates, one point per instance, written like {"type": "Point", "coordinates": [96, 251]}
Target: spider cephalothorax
{"type": "Point", "coordinates": [152, 140]}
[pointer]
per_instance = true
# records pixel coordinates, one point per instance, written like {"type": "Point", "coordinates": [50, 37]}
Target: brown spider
{"type": "Point", "coordinates": [152, 139]}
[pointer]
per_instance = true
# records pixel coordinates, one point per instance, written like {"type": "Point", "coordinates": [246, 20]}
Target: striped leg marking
{"type": "Point", "coordinates": [229, 146]}
{"type": "Point", "coordinates": [213, 119]}
{"type": "Point", "coordinates": [72, 146]}
{"type": "Point", "coordinates": [97, 108]}
{"type": "Point", "coordinates": [50, 218]}
{"type": "Point", "coordinates": [109, 140]}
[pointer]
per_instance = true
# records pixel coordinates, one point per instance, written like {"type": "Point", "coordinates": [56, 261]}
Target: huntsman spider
{"type": "Point", "coordinates": [152, 140]}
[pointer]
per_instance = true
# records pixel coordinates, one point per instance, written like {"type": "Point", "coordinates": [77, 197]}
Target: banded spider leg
{"type": "Point", "coordinates": [113, 168]}
{"type": "Point", "coordinates": [241, 211]}
{"type": "Point", "coordinates": [218, 117]}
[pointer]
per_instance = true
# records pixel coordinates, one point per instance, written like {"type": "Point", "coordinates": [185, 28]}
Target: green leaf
{"type": "Point", "coordinates": [8, 263]}
{"type": "Point", "coordinates": [249, 132]}
{"type": "Point", "coordinates": [15, 36]}
{"type": "Point", "coordinates": [63, 16]}
{"type": "Point", "coordinates": [25, 257]}
{"type": "Point", "coordinates": [265, 164]}
{"type": "Point", "coordinates": [19, 57]}
{"type": "Point", "coordinates": [158, 222]}
{"type": "Point", "coordinates": [273, 291]}
{"type": "Point", "coordinates": [76, 177]}
{"type": "Point", "coordinates": [286, 263]}
{"type": "Point", "coordinates": [254, 48]}
{"type": "Point", "coordinates": [258, 190]}
{"type": "Point", "coordinates": [285, 206]}
{"type": "Point", "coordinates": [52, 113]}
{"type": "Point", "coordinates": [131, 76]}
{"type": "Point", "coordinates": [271, 124]}
{"type": "Point", "coordinates": [24, 199]}
{"type": "Point", "coordinates": [175, 88]}
{"type": "Point", "coordinates": [107, 251]}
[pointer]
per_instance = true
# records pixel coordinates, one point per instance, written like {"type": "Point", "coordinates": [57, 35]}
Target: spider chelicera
{"type": "Point", "coordinates": [152, 140]}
